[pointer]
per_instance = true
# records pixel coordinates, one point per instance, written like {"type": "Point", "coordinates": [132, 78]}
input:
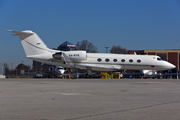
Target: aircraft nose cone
{"type": "Point", "coordinates": [171, 66]}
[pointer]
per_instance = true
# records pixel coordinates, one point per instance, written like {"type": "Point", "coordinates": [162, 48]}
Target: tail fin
{"type": "Point", "coordinates": [31, 43]}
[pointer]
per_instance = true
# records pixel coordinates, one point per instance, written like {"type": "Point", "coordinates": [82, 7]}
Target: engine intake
{"type": "Point", "coordinates": [58, 56]}
{"type": "Point", "coordinates": [75, 56]}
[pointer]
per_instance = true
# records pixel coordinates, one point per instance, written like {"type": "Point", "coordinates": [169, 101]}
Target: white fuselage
{"type": "Point", "coordinates": [113, 62]}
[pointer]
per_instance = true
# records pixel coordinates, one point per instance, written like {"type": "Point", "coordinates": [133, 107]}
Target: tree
{"type": "Point", "coordinates": [118, 50]}
{"type": "Point", "coordinates": [22, 66]}
{"type": "Point", "coordinates": [6, 67]}
{"type": "Point", "coordinates": [87, 46]}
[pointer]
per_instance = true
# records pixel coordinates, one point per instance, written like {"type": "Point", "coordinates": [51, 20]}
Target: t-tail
{"type": "Point", "coordinates": [31, 43]}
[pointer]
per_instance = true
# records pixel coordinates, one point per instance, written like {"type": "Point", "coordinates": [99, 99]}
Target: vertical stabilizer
{"type": "Point", "coordinates": [31, 42]}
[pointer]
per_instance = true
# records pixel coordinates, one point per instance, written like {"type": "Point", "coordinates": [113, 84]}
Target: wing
{"type": "Point", "coordinates": [98, 67]}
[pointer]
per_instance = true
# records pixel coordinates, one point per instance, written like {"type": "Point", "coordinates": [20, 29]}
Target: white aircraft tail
{"type": "Point", "coordinates": [31, 43]}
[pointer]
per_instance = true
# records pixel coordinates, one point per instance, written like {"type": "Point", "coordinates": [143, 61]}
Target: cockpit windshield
{"type": "Point", "coordinates": [159, 59]}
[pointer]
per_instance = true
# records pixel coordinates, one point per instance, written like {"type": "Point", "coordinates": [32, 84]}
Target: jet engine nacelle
{"type": "Point", "coordinates": [75, 56]}
{"type": "Point", "coordinates": [58, 55]}
{"type": "Point", "coordinates": [51, 69]}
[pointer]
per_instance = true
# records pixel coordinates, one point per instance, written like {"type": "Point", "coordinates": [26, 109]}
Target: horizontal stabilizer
{"type": "Point", "coordinates": [23, 32]}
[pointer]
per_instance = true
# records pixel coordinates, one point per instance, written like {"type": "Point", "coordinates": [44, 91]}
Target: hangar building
{"type": "Point", "coordinates": [171, 56]}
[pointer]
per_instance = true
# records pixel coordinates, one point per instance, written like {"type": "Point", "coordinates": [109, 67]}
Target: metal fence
{"type": "Point", "coordinates": [46, 73]}
{"type": "Point", "coordinates": [39, 73]}
{"type": "Point", "coordinates": [29, 73]}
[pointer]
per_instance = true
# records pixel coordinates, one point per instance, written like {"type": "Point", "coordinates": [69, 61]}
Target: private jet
{"type": "Point", "coordinates": [36, 49]}
{"type": "Point", "coordinates": [59, 69]}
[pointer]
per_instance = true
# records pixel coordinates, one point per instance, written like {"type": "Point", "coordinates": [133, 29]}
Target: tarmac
{"type": "Point", "coordinates": [89, 99]}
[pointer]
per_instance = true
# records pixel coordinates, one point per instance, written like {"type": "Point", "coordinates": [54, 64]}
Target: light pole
{"type": "Point", "coordinates": [2, 68]}
{"type": "Point", "coordinates": [12, 68]}
{"type": "Point", "coordinates": [106, 49]}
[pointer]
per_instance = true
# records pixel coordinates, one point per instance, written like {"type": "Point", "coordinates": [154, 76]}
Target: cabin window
{"type": "Point", "coordinates": [115, 60]}
{"type": "Point", "coordinates": [99, 59]}
{"type": "Point", "coordinates": [138, 61]}
{"type": "Point", "coordinates": [107, 60]}
{"type": "Point", "coordinates": [123, 60]}
{"type": "Point", "coordinates": [131, 60]}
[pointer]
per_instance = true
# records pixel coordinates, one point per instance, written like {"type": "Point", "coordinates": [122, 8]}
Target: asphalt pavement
{"type": "Point", "coordinates": [89, 99]}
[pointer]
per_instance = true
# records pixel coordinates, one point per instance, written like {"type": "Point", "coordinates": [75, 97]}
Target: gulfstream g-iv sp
{"type": "Point", "coordinates": [36, 49]}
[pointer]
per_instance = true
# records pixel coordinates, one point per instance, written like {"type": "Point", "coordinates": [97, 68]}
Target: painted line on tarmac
{"type": "Point", "coordinates": [112, 112]}
{"type": "Point", "coordinates": [71, 93]}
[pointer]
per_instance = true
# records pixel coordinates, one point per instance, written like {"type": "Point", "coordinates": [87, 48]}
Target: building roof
{"type": "Point", "coordinates": [163, 51]}
{"type": "Point", "coordinates": [66, 44]}
{"type": "Point", "coordinates": [156, 51]}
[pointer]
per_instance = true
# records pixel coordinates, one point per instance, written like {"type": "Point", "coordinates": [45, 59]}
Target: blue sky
{"type": "Point", "coordinates": [132, 24]}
